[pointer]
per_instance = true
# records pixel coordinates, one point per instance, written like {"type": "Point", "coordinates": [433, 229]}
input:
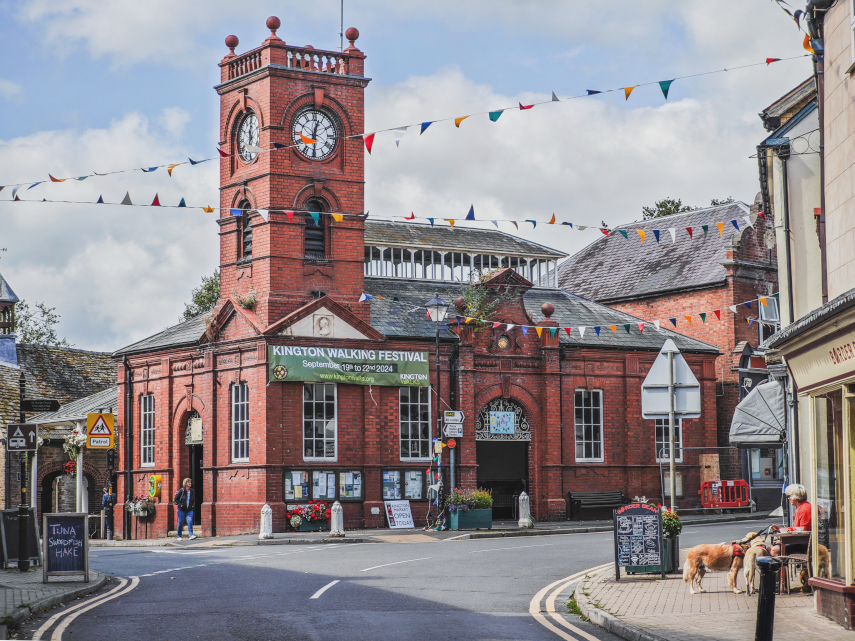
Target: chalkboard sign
{"type": "Point", "coordinates": [638, 539]}
{"type": "Point", "coordinates": [66, 544]}
{"type": "Point", "coordinates": [9, 536]}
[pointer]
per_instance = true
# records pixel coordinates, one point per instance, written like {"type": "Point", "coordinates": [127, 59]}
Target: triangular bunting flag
{"type": "Point", "coordinates": [171, 167]}
{"type": "Point", "coordinates": [515, 224]}
{"type": "Point", "coordinates": [640, 327]}
{"type": "Point", "coordinates": [222, 154]}
{"type": "Point", "coordinates": [769, 61]}
{"type": "Point", "coordinates": [315, 217]}
{"type": "Point", "coordinates": [552, 222]}
{"type": "Point", "coordinates": [56, 180]}
{"type": "Point", "coordinates": [747, 220]}
{"type": "Point", "coordinates": [182, 203]}
{"type": "Point", "coordinates": [495, 325]}
{"type": "Point", "coordinates": [623, 233]}
{"type": "Point", "coordinates": [524, 330]}
{"type": "Point", "coordinates": [597, 329]}
{"type": "Point", "coordinates": [471, 214]}
{"type": "Point", "coordinates": [706, 228]}
{"type": "Point", "coordinates": [689, 319]}
{"type": "Point", "coordinates": [720, 229]}
{"type": "Point", "coordinates": [369, 142]}
{"type": "Point", "coordinates": [665, 85]}
{"type": "Point", "coordinates": [496, 223]}
{"type": "Point", "coordinates": [264, 213]}
{"type": "Point", "coordinates": [748, 304]}
{"type": "Point", "coordinates": [626, 327]}
{"type": "Point", "coordinates": [628, 90]}
{"type": "Point", "coordinates": [127, 199]}
{"type": "Point", "coordinates": [457, 121]}
{"type": "Point", "coordinates": [398, 133]}
{"type": "Point", "coordinates": [149, 170]}
{"type": "Point", "coordinates": [34, 184]}
{"type": "Point", "coordinates": [207, 210]}
{"type": "Point", "coordinates": [510, 327]}
{"type": "Point", "coordinates": [197, 162]}
{"type": "Point", "coordinates": [554, 97]}
{"type": "Point", "coordinates": [673, 321]}
{"type": "Point", "coordinates": [256, 150]}
{"type": "Point", "coordinates": [494, 115]}
{"type": "Point", "coordinates": [689, 229]}
{"type": "Point", "coordinates": [431, 221]}
{"type": "Point", "coordinates": [732, 308]}
{"type": "Point", "coordinates": [279, 145]}
{"type": "Point", "coordinates": [605, 231]}
{"type": "Point", "coordinates": [410, 217]}
{"type": "Point", "coordinates": [236, 212]}
{"type": "Point", "coordinates": [155, 202]}
{"type": "Point", "coordinates": [290, 215]}
{"type": "Point", "coordinates": [450, 221]}
{"type": "Point", "coordinates": [703, 316]}
{"type": "Point", "coordinates": [14, 191]}
{"type": "Point", "coordinates": [100, 200]}
{"type": "Point", "coordinates": [525, 107]}
{"type": "Point", "coordinates": [806, 44]}
{"type": "Point", "coordinates": [533, 223]}
{"type": "Point", "coordinates": [553, 330]}
{"type": "Point", "coordinates": [750, 320]}
{"type": "Point", "coordinates": [582, 329]}
{"type": "Point", "coordinates": [364, 297]}
{"type": "Point", "coordinates": [656, 233]}
{"type": "Point", "coordinates": [539, 330]}
{"type": "Point", "coordinates": [641, 233]}
{"type": "Point", "coordinates": [613, 328]}
{"type": "Point", "coordinates": [717, 313]}
{"type": "Point", "coordinates": [733, 222]}
{"type": "Point", "coordinates": [569, 331]}
{"type": "Point", "coordinates": [656, 325]}
{"type": "Point", "coordinates": [571, 225]}
{"type": "Point", "coordinates": [763, 301]}
{"type": "Point", "coordinates": [581, 227]}
{"type": "Point", "coordinates": [673, 232]}
{"type": "Point", "coordinates": [591, 92]}
{"type": "Point", "coordinates": [338, 217]}
{"type": "Point", "coordinates": [425, 125]}
{"type": "Point", "coordinates": [306, 140]}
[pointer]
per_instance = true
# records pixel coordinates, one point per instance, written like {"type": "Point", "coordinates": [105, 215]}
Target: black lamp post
{"type": "Point", "coordinates": [437, 309]}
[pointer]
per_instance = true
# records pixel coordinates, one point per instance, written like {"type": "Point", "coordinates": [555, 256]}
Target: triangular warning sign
{"type": "Point", "coordinates": [18, 432]}
{"type": "Point", "coordinates": [100, 428]}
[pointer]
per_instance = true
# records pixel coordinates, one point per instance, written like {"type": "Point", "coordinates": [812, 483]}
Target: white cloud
{"type": "Point", "coordinates": [10, 90]}
{"type": "Point", "coordinates": [115, 274]}
{"type": "Point", "coordinates": [173, 119]}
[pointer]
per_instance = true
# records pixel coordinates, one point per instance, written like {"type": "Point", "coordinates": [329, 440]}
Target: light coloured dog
{"type": "Point", "coordinates": [757, 548]}
{"type": "Point", "coordinates": [715, 557]}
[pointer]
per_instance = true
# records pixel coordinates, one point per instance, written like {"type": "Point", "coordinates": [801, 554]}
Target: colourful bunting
{"type": "Point", "coordinates": [628, 90]}
{"type": "Point", "coordinates": [471, 214]}
{"type": "Point", "coordinates": [236, 212]}
{"type": "Point", "coordinates": [524, 330]}
{"type": "Point", "coordinates": [732, 308]}
{"type": "Point", "coordinates": [613, 328]}
{"type": "Point", "coordinates": [591, 92]}
{"type": "Point", "coordinates": [522, 108]}
{"type": "Point", "coordinates": [641, 233]}
{"type": "Point", "coordinates": [338, 217]}
{"type": "Point", "coordinates": [552, 221]}
{"type": "Point", "coordinates": [315, 217]}
{"type": "Point", "coordinates": [149, 170]}
{"type": "Point", "coordinates": [656, 233]}
{"type": "Point", "coordinates": [673, 321]}
{"type": "Point", "coordinates": [688, 319]}
{"type": "Point", "coordinates": [34, 184]}
{"type": "Point", "coordinates": [398, 133]}
{"type": "Point", "coordinates": [769, 61]}
{"type": "Point", "coordinates": [450, 221]}
{"type": "Point", "coordinates": [198, 162]}
{"type": "Point", "coordinates": [717, 313]}
{"type": "Point", "coordinates": [306, 140]}
{"type": "Point", "coordinates": [494, 115]}
{"type": "Point", "coordinates": [623, 233]}
{"type": "Point", "coordinates": [597, 329]}
{"type": "Point", "coordinates": [733, 222]}
{"type": "Point", "coordinates": [533, 223]}
{"type": "Point", "coordinates": [127, 199]}
{"type": "Point", "coordinates": [605, 231]}
{"type": "Point", "coordinates": [689, 229]}
{"type": "Point", "coordinates": [553, 331]}
{"type": "Point", "coordinates": [703, 316]}
{"type": "Point", "coordinates": [539, 330]}
{"type": "Point", "coordinates": [182, 203]}
{"type": "Point", "coordinates": [290, 215]}
{"type": "Point", "coordinates": [569, 331]}
{"type": "Point", "coordinates": [156, 201]}
{"type": "Point", "coordinates": [806, 44]}
{"type": "Point", "coordinates": [763, 301]}
{"type": "Point", "coordinates": [171, 167]}
{"type": "Point", "coordinates": [656, 324]}
{"type": "Point", "coordinates": [457, 121]}
{"type": "Point", "coordinates": [101, 201]}
{"type": "Point", "coordinates": [369, 142]}
{"type": "Point", "coordinates": [208, 210]}
{"type": "Point", "coordinates": [673, 232]}
{"type": "Point", "coordinates": [640, 327]}
{"type": "Point", "coordinates": [720, 229]}
{"type": "Point", "coordinates": [425, 125]}
{"type": "Point", "coordinates": [515, 224]}
{"type": "Point", "coordinates": [222, 154]}
{"type": "Point", "coordinates": [56, 180]}
{"type": "Point", "coordinates": [582, 329]}
{"type": "Point", "coordinates": [554, 97]}
{"type": "Point", "coordinates": [748, 304]}
{"type": "Point", "coordinates": [626, 327]}
{"type": "Point", "coordinates": [665, 85]}
{"type": "Point", "coordinates": [706, 228]}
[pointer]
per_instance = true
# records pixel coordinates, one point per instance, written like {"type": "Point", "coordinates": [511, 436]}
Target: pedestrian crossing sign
{"type": "Point", "coordinates": [99, 431]}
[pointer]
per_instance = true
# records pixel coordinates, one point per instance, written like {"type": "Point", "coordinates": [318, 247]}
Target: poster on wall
{"type": "Point", "coordinates": [354, 366]}
{"type": "Point", "coordinates": [502, 422]}
{"type": "Point", "coordinates": [398, 514]}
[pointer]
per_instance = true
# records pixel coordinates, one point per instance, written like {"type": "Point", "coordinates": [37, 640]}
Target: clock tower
{"type": "Point", "coordinates": [291, 120]}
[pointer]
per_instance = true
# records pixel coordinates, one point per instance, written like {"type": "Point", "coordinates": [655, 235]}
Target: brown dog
{"type": "Point", "coordinates": [715, 557]}
{"type": "Point", "coordinates": [824, 566]}
{"type": "Point", "coordinates": [757, 548]}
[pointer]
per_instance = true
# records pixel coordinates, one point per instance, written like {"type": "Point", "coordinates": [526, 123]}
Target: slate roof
{"type": "Point", "coordinates": [395, 319]}
{"type": "Point", "coordinates": [6, 293]}
{"type": "Point", "coordinates": [185, 333]}
{"type": "Point", "coordinates": [789, 101]}
{"type": "Point", "coordinates": [77, 410]}
{"type": "Point", "coordinates": [615, 269]}
{"type": "Point", "coordinates": [466, 239]}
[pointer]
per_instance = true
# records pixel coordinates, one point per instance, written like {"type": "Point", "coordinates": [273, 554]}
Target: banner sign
{"type": "Point", "coordinates": [398, 515]}
{"type": "Point", "coordinates": [502, 422]}
{"type": "Point", "coordinates": [354, 366]}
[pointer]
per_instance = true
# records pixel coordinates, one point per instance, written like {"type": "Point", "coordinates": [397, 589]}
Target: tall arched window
{"type": "Point", "coordinates": [245, 232]}
{"type": "Point", "coordinates": [315, 237]}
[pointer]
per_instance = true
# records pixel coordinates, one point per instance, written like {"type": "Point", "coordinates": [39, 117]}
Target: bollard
{"type": "Point", "coordinates": [337, 523]}
{"type": "Point", "coordinates": [266, 523]}
{"type": "Point", "coordinates": [525, 512]}
{"type": "Point", "coordinates": [769, 567]}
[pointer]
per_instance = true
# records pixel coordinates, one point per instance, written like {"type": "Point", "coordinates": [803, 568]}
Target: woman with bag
{"type": "Point", "coordinates": [184, 500]}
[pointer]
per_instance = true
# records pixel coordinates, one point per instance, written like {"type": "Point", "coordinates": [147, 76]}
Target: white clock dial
{"type": "Point", "coordinates": [248, 137]}
{"type": "Point", "coordinates": [314, 125]}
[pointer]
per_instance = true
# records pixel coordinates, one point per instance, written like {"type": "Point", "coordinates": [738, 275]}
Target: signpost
{"type": "Point", "coordinates": [66, 545]}
{"type": "Point", "coordinates": [453, 420]}
{"type": "Point", "coordinates": [99, 431]}
{"type": "Point", "coordinates": [39, 405]}
{"type": "Point", "coordinates": [670, 389]}
{"type": "Point", "coordinates": [22, 437]}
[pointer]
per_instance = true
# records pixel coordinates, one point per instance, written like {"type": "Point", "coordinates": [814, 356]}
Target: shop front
{"type": "Point", "coordinates": [820, 354]}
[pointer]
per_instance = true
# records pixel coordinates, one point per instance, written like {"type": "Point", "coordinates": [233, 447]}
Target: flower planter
{"type": "Point", "coordinates": [471, 519]}
{"type": "Point", "coordinates": [311, 526]}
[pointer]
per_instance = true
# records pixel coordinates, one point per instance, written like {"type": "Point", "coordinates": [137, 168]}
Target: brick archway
{"type": "Point", "coordinates": [100, 477]}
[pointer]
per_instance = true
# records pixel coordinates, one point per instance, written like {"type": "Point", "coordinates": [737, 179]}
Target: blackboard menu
{"type": "Point", "coordinates": [66, 544]}
{"type": "Point", "coordinates": [638, 538]}
{"type": "Point", "coordinates": [9, 536]}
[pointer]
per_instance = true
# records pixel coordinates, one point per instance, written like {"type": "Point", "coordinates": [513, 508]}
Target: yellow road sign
{"type": "Point", "coordinates": [99, 431]}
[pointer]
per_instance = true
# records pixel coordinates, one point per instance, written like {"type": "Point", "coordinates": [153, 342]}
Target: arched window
{"type": "Point", "coordinates": [315, 238]}
{"type": "Point", "coordinates": [245, 231]}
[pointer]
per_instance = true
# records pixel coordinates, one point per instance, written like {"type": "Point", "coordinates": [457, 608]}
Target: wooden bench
{"type": "Point", "coordinates": [578, 501]}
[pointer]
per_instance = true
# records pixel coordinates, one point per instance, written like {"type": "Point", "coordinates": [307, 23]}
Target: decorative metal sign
{"type": "Point", "coordinates": [506, 416]}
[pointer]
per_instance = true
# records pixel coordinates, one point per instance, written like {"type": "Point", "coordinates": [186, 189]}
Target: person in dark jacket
{"type": "Point", "coordinates": [185, 499]}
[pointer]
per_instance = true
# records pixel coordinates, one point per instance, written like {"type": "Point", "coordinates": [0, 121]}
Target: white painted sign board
{"type": "Point", "coordinates": [452, 416]}
{"type": "Point", "coordinates": [655, 399]}
{"type": "Point", "coordinates": [398, 515]}
{"type": "Point", "coordinates": [453, 430]}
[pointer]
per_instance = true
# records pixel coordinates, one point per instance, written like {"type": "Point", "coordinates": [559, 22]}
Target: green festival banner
{"type": "Point", "coordinates": [353, 366]}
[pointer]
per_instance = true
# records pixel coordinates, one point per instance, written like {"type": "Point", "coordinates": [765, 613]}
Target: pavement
{"type": "Point", "coordinates": [648, 608]}
{"type": "Point", "coordinates": [24, 593]}
{"type": "Point", "coordinates": [500, 529]}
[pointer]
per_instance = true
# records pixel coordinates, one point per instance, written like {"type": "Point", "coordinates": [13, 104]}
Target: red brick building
{"type": "Point", "coordinates": [213, 399]}
{"type": "Point", "coordinates": [712, 271]}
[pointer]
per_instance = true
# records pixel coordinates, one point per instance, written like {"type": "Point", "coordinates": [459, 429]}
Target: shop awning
{"type": "Point", "coordinates": [760, 419]}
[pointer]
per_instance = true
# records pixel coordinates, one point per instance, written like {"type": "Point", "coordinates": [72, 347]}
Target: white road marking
{"type": "Point", "coordinates": [516, 547]}
{"type": "Point", "coordinates": [395, 563]}
{"type": "Point", "coordinates": [534, 608]}
{"type": "Point", "coordinates": [47, 624]}
{"type": "Point", "coordinates": [57, 634]}
{"type": "Point", "coordinates": [324, 589]}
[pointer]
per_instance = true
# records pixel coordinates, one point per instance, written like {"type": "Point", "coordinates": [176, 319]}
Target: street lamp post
{"type": "Point", "coordinates": [437, 309]}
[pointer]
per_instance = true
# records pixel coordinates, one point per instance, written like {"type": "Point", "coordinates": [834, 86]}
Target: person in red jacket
{"type": "Point", "coordinates": [797, 495]}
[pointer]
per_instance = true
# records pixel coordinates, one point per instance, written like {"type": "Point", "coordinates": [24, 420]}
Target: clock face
{"type": "Point", "coordinates": [314, 125]}
{"type": "Point", "coordinates": [504, 342]}
{"type": "Point", "coordinates": [248, 137]}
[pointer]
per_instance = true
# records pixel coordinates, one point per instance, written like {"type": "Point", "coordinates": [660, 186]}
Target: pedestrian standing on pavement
{"type": "Point", "coordinates": [184, 500]}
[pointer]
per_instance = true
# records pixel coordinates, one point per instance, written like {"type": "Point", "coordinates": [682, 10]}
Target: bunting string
{"type": "Point", "coordinates": [399, 131]}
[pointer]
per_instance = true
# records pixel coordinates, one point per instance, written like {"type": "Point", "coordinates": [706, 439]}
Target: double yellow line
{"type": "Point", "coordinates": [557, 588]}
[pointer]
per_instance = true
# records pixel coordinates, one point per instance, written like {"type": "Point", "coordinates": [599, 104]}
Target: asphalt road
{"type": "Point", "coordinates": [476, 589]}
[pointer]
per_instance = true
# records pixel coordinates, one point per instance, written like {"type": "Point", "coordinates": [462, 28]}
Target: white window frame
{"type": "Point", "coordinates": [576, 440]}
{"type": "Point", "coordinates": [147, 430]}
{"type": "Point", "coordinates": [852, 32]}
{"type": "Point", "coordinates": [409, 423]}
{"type": "Point", "coordinates": [659, 444]}
{"type": "Point", "coordinates": [771, 314]}
{"type": "Point", "coordinates": [328, 459]}
{"type": "Point", "coordinates": [240, 422]}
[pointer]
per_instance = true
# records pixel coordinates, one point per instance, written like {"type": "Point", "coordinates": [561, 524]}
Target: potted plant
{"type": "Point", "coordinates": [470, 509]}
{"type": "Point", "coordinates": [73, 442]}
{"type": "Point", "coordinates": [140, 506]}
{"type": "Point", "coordinates": [311, 517]}
{"type": "Point", "coordinates": [671, 528]}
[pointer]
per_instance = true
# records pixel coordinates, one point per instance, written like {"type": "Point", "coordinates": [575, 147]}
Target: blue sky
{"type": "Point", "coordinates": [98, 84]}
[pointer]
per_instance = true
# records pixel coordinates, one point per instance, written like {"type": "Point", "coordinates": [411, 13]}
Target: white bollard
{"type": "Point", "coordinates": [525, 512]}
{"type": "Point", "coordinates": [337, 523]}
{"type": "Point", "coordinates": [266, 523]}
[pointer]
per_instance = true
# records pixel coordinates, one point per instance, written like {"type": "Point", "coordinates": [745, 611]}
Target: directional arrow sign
{"type": "Point", "coordinates": [453, 430]}
{"type": "Point", "coordinates": [99, 431]}
{"type": "Point", "coordinates": [452, 416]}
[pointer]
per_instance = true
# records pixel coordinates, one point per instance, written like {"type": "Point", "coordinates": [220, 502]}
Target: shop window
{"type": "Point", "coordinates": [414, 422]}
{"type": "Point", "coordinates": [830, 479]}
{"type": "Point", "coordinates": [663, 443]}
{"type": "Point", "coordinates": [589, 425]}
{"type": "Point", "coordinates": [296, 485]}
{"type": "Point", "coordinates": [350, 485]}
{"type": "Point", "coordinates": [319, 421]}
{"type": "Point", "coordinates": [147, 430]}
{"type": "Point", "coordinates": [404, 484]}
{"type": "Point", "coordinates": [323, 485]}
{"type": "Point", "coordinates": [767, 464]}
{"type": "Point", "coordinates": [770, 319]}
{"type": "Point", "coordinates": [240, 423]}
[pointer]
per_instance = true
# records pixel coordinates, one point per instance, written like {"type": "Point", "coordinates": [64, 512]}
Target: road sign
{"type": "Point", "coordinates": [451, 443]}
{"type": "Point", "coordinates": [655, 390]}
{"type": "Point", "coordinates": [22, 437]}
{"type": "Point", "coordinates": [99, 431]}
{"type": "Point", "coordinates": [452, 416]}
{"type": "Point", "coordinates": [453, 430]}
{"type": "Point", "coordinates": [39, 405]}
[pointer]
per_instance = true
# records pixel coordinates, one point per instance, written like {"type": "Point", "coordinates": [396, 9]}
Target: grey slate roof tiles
{"type": "Point", "coordinates": [615, 268]}
{"type": "Point", "coordinates": [186, 333]}
{"type": "Point", "coordinates": [6, 293]}
{"type": "Point", "coordinates": [77, 410]}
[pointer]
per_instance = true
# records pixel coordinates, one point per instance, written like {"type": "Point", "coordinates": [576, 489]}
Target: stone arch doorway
{"type": "Point", "coordinates": [502, 438]}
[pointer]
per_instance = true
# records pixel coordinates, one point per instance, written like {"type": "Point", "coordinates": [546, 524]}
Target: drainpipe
{"type": "Point", "coordinates": [783, 152]}
{"type": "Point", "coordinates": [129, 417]}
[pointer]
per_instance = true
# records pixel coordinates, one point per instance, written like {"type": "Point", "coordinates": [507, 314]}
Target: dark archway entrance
{"type": "Point", "coordinates": [502, 437]}
{"type": "Point", "coordinates": [193, 439]}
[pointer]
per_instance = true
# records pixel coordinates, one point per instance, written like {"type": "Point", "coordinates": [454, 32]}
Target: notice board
{"type": "Point", "coordinates": [9, 536]}
{"type": "Point", "coordinates": [398, 514]}
{"type": "Point", "coordinates": [66, 544]}
{"type": "Point", "coordinates": [638, 539]}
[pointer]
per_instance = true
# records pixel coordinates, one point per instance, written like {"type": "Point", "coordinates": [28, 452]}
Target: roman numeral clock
{"type": "Point", "coordinates": [314, 134]}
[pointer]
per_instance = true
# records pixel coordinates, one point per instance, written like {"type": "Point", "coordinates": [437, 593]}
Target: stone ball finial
{"type": "Point", "coordinates": [460, 304]}
{"type": "Point", "coordinates": [232, 42]}
{"type": "Point", "coordinates": [273, 23]}
{"type": "Point", "coordinates": [548, 309]}
{"type": "Point", "coordinates": [352, 34]}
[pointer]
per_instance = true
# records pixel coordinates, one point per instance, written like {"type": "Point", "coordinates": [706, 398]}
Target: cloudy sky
{"type": "Point", "coordinates": [107, 84]}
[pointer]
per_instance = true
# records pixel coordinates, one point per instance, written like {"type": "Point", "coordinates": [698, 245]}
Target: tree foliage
{"type": "Point", "coordinates": [37, 325]}
{"type": "Point", "coordinates": [715, 202]}
{"type": "Point", "coordinates": [204, 297]}
{"type": "Point", "coordinates": [666, 207]}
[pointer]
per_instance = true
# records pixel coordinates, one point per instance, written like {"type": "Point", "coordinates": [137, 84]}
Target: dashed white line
{"type": "Point", "coordinates": [324, 589]}
{"type": "Point", "coordinates": [516, 547]}
{"type": "Point", "coordinates": [395, 563]}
